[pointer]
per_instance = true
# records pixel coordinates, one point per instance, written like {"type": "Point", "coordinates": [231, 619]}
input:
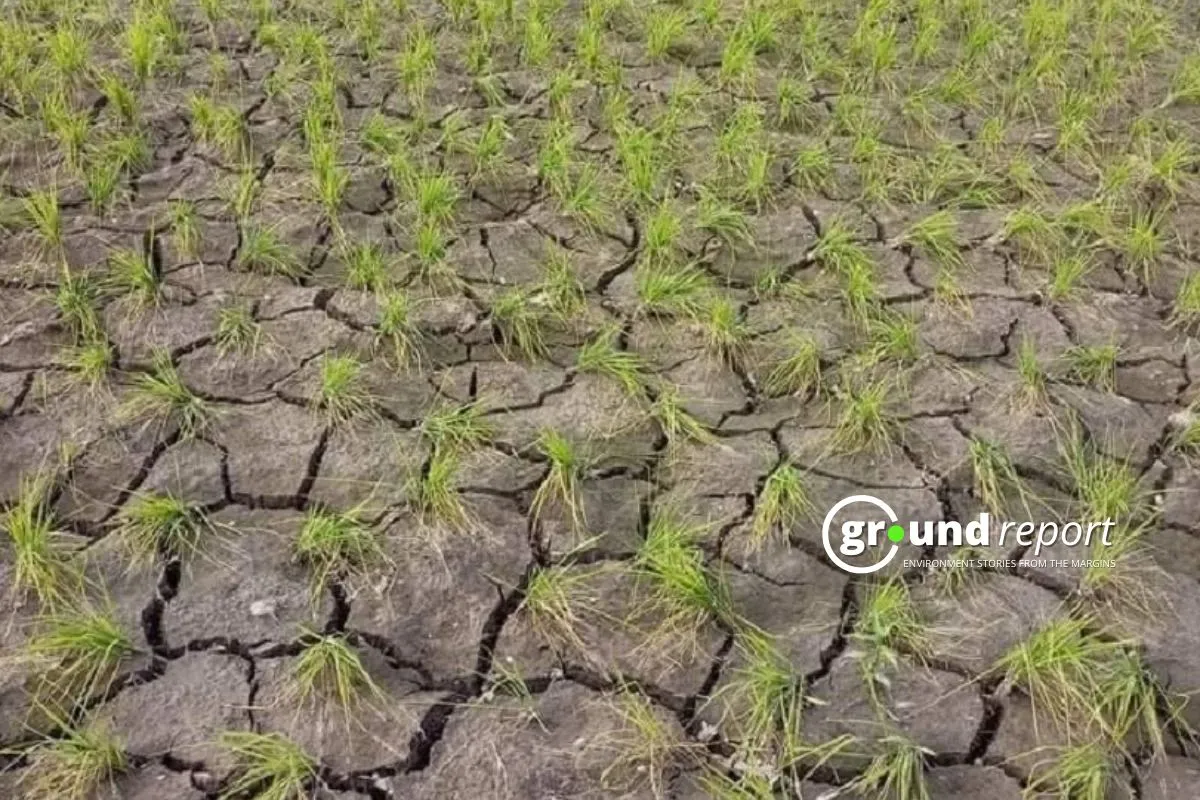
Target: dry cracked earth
{"type": "Point", "coordinates": [441, 623]}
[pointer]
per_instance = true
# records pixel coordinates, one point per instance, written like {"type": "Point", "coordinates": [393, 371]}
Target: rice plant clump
{"type": "Point", "coordinates": [81, 761]}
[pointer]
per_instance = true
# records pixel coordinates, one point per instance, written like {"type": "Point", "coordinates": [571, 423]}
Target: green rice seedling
{"type": "Point", "coordinates": [937, 237]}
{"type": "Point", "coordinates": [892, 337]}
{"type": "Point", "coordinates": [671, 291]}
{"type": "Point", "coordinates": [674, 420]}
{"type": "Point", "coordinates": [643, 161]}
{"type": "Point", "coordinates": [1081, 772]}
{"type": "Point", "coordinates": [42, 210]}
{"type": "Point", "coordinates": [720, 785]}
{"type": "Point", "coordinates": [434, 494]}
{"type": "Point", "coordinates": [865, 421]}
{"type": "Point", "coordinates": [1059, 667]}
{"type": "Point", "coordinates": [1128, 703]}
{"type": "Point", "coordinates": [739, 63]}
{"type": "Point", "coordinates": [154, 526]}
{"type": "Point", "coordinates": [723, 219]}
{"type": "Point", "coordinates": [69, 128]}
{"type": "Point", "coordinates": [163, 397]}
{"type": "Point", "coordinates": [1034, 233]}
{"type": "Point", "coordinates": [552, 602]}
{"type": "Point", "coordinates": [793, 102]}
{"type": "Point", "coordinates": [366, 266]}
{"type": "Point", "coordinates": [237, 330]}
{"type": "Point", "coordinates": [75, 299]}
{"type": "Point", "coordinates": [435, 196]}
{"type": "Point", "coordinates": [604, 356]}
{"type": "Point", "coordinates": [683, 591]}
{"type": "Point", "coordinates": [799, 372]}
{"type": "Point", "coordinates": [897, 771]}
{"type": "Point", "coordinates": [767, 693]}
{"type": "Point", "coordinates": [782, 503]}
{"type": "Point", "coordinates": [329, 179]}
{"type": "Point", "coordinates": [1067, 270]}
{"type": "Point", "coordinates": [1186, 85]}
{"type": "Point", "coordinates": [382, 136]}
{"type": "Point", "coordinates": [560, 289]}
{"type": "Point", "coordinates": [128, 151]}
{"type": "Point", "coordinates": [725, 332]}
{"type": "Point", "coordinates": [520, 322]}
{"type": "Point", "coordinates": [263, 251]}
{"type": "Point", "coordinates": [488, 153]}
{"type": "Point", "coordinates": [143, 45]}
{"type": "Point", "coordinates": [838, 250]}
{"type": "Point", "coordinates": [336, 546]}
{"type": "Point", "coordinates": [1095, 365]}
{"type": "Point", "coordinates": [430, 251]}
{"type": "Point", "coordinates": [537, 43]}
{"type": "Point", "coordinates": [41, 563]}
{"type": "Point", "coordinates": [889, 624]}
{"type": "Point", "coordinates": [1186, 310]}
{"type": "Point", "coordinates": [269, 767]}
{"type": "Point", "coordinates": [243, 194]}
{"type": "Point", "coordinates": [755, 189]}
{"type": "Point", "coordinates": [132, 273]}
{"type": "Point", "coordinates": [646, 746]}
{"type": "Point", "coordinates": [342, 393]}
{"type": "Point", "coordinates": [91, 363]}
{"type": "Point", "coordinates": [1031, 394]}
{"type": "Point", "coordinates": [812, 169]}
{"type": "Point", "coordinates": [80, 651]}
{"type": "Point", "coordinates": [417, 63]}
{"type": "Point", "coordinates": [77, 764]}
{"type": "Point", "coordinates": [994, 475]}
{"type": "Point", "coordinates": [665, 27]}
{"type": "Point", "coordinates": [330, 668]}
{"type": "Point", "coordinates": [457, 428]}
{"type": "Point", "coordinates": [1105, 487]}
{"type": "Point", "coordinates": [101, 180]}
{"type": "Point", "coordinates": [397, 328]}
{"type": "Point", "coordinates": [1144, 241]}
{"type": "Point", "coordinates": [69, 51]}
{"type": "Point", "coordinates": [562, 483]}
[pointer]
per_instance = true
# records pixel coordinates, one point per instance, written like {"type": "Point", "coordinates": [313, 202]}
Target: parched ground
{"type": "Point", "coordinates": [938, 252]}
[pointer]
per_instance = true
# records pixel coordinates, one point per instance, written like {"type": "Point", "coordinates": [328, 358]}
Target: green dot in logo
{"type": "Point", "coordinates": [896, 533]}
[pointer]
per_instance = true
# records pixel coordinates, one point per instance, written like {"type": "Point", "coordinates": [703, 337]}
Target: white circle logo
{"type": "Point", "coordinates": [833, 512]}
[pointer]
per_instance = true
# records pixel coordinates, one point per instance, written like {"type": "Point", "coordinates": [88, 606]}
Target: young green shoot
{"type": "Point", "coordinates": [434, 493]}
{"type": "Point", "coordinates": [676, 423]}
{"type": "Point", "coordinates": [554, 598]}
{"type": "Point", "coordinates": [263, 251]}
{"type": "Point", "coordinates": [77, 764]}
{"type": "Point", "coordinates": [398, 330]}
{"type": "Point", "coordinates": [329, 668]}
{"type": "Point", "coordinates": [782, 503]}
{"type": "Point", "coordinates": [342, 393]}
{"type": "Point", "coordinates": [237, 330]}
{"type": "Point", "coordinates": [562, 484]}
{"type": "Point", "coordinates": [269, 767]}
{"type": "Point", "coordinates": [155, 526]}
{"type": "Point", "coordinates": [337, 546]}
{"type": "Point", "coordinates": [865, 421]}
{"type": "Point", "coordinates": [163, 397]}
{"type": "Point", "coordinates": [41, 553]}
{"type": "Point", "coordinates": [889, 625]}
{"type": "Point", "coordinates": [799, 372]}
{"type": "Point", "coordinates": [520, 323]}
{"type": "Point", "coordinates": [604, 356]}
{"type": "Point", "coordinates": [1095, 365]}
{"type": "Point", "coordinates": [995, 478]}
{"type": "Point", "coordinates": [79, 651]}
{"type": "Point", "coordinates": [897, 772]}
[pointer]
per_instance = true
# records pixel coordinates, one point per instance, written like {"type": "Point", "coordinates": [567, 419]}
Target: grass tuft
{"type": "Point", "coordinates": [41, 563]}
{"type": "Point", "coordinates": [562, 483]}
{"type": "Point", "coordinates": [80, 651]}
{"type": "Point", "coordinates": [329, 668]}
{"type": "Point", "coordinates": [161, 395]}
{"type": "Point", "coordinates": [336, 546]}
{"type": "Point", "coordinates": [269, 767]}
{"type": "Point", "coordinates": [75, 765]}
{"type": "Point", "coordinates": [153, 526]}
{"type": "Point", "coordinates": [782, 503]}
